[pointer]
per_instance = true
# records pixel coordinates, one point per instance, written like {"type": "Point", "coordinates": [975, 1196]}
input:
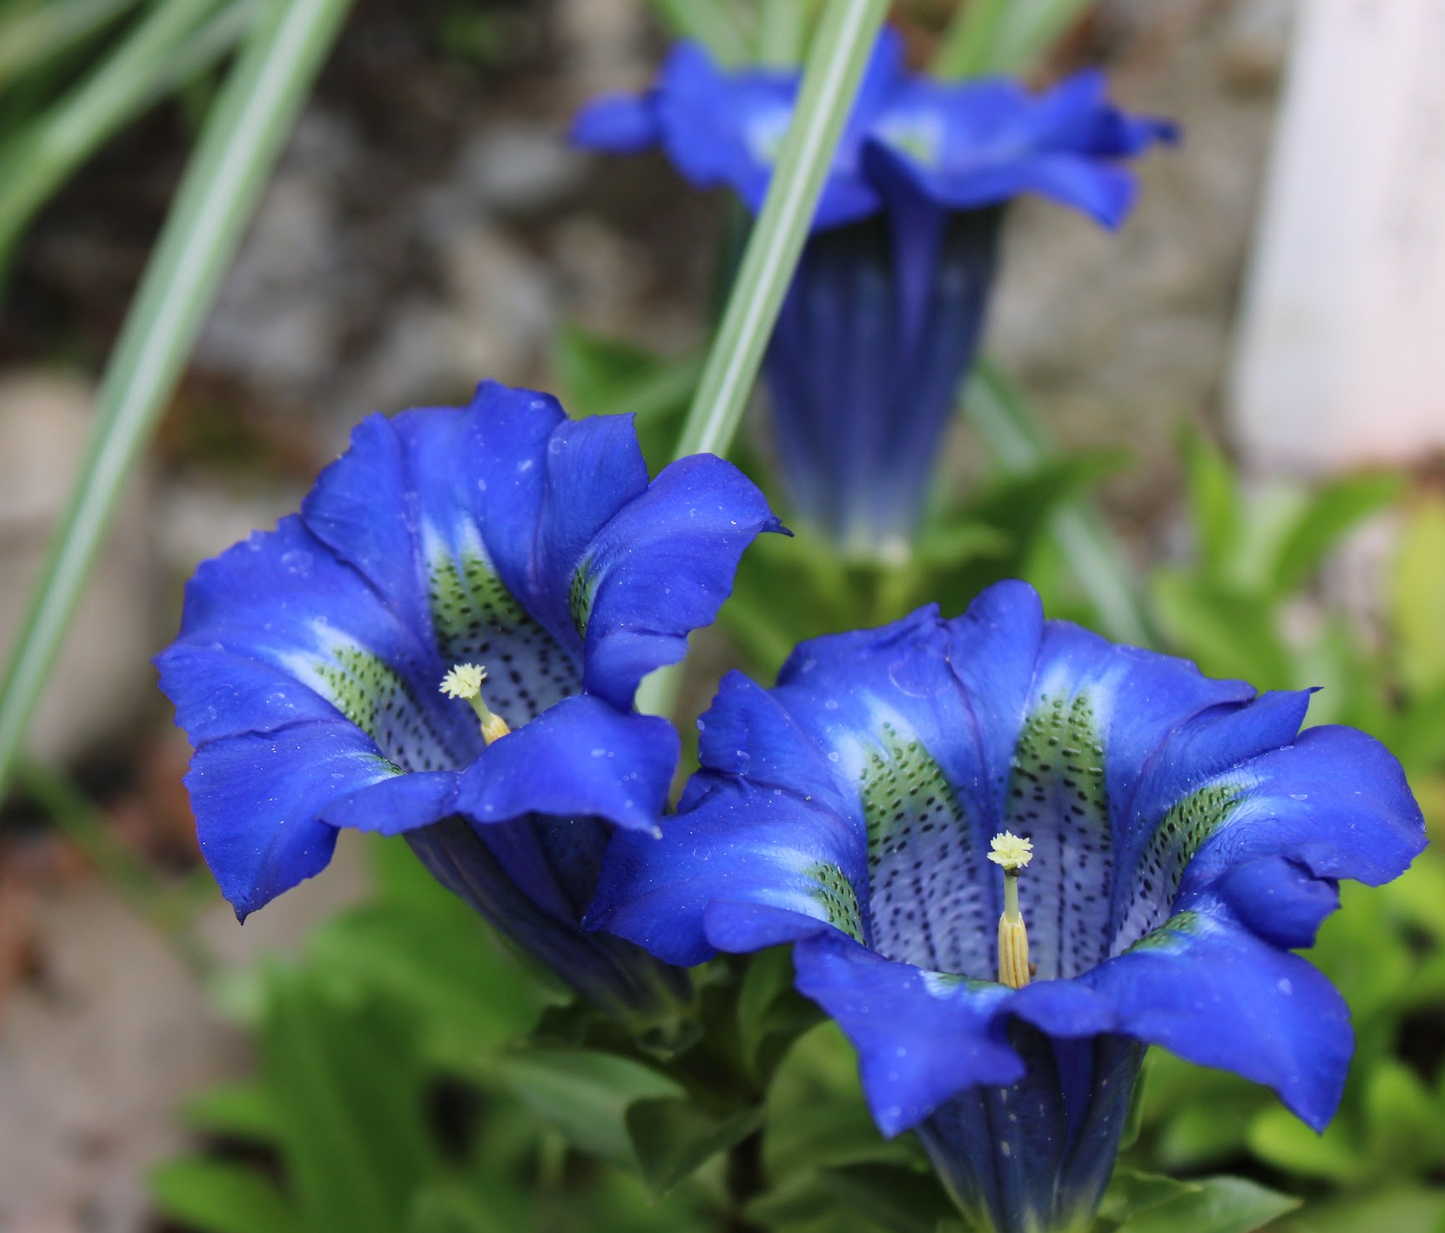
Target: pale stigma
{"type": "Point", "coordinates": [1013, 853]}
{"type": "Point", "coordinates": [465, 681]}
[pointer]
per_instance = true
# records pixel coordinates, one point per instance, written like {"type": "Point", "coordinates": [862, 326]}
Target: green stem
{"type": "Point", "coordinates": [40, 158]}
{"type": "Point", "coordinates": [242, 138]}
{"type": "Point", "coordinates": [966, 46]}
{"type": "Point", "coordinates": [835, 67]}
{"type": "Point", "coordinates": [712, 23]}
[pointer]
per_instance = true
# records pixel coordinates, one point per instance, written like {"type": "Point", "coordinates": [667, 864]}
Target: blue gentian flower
{"type": "Point", "coordinates": [1179, 837]}
{"type": "Point", "coordinates": [890, 295]}
{"type": "Point", "coordinates": [500, 552]}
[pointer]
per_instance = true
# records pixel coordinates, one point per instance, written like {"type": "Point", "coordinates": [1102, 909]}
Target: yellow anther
{"type": "Point", "coordinates": [1013, 853]}
{"type": "Point", "coordinates": [465, 681]}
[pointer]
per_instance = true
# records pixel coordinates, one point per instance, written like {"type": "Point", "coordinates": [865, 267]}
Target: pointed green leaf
{"type": "Point", "coordinates": [1214, 1205]}
{"type": "Point", "coordinates": [673, 1138]}
{"type": "Point", "coordinates": [585, 1095]}
{"type": "Point", "coordinates": [1417, 595]}
{"type": "Point", "coordinates": [219, 1196]}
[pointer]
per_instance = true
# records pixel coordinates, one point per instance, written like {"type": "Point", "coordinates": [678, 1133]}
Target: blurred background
{"type": "Point", "coordinates": [428, 225]}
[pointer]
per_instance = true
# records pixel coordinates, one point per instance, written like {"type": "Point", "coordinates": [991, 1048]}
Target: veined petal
{"type": "Point", "coordinates": [308, 623]}
{"type": "Point", "coordinates": [258, 799]}
{"type": "Point", "coordinates": [1214, 993]}
{"type": "Point", "coordinates": [582, 758]}
{"type": "Point", "coordinates": [727, 128]}
{"type": "Point", "coordinates": [921, 1037]}
{"type": "Point", "coordinates": [661, 568]}
{"type": "Point", "coordinates": [1336, 801]}
{"type": "Point", "coordinates": [967, 146]}
{"type": "Point", "coordinates": [743, 846]}
{"type": "Point", "coordinates": [1097, 715]}
{"type": "Point", "coordinates": [396, 805]}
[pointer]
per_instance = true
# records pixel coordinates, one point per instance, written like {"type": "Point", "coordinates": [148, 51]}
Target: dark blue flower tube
{"type": "Point", "coordinates": [891, 293]}
{"type": "Point", "coordinates": [503, 544]}
{"type": "Point", "coordinates": [1185, 838]}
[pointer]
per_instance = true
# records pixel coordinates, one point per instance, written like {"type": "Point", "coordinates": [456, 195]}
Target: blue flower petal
{"type": "Point", "coordinates": [259, 797]}
{"type": "Point", "coordinates": [581, 758]}
{"type": "Point", "coordinates": [618, 124]}
{"type": "Point", "coordinates": [661, 568]}
{"type": "Point", "coordinates": [921, 1038]}
{"type": "Point", "coordinates": [967, 146]}
{"type": "Point", "coordinates": [727, 128]}
{"type": "Point", "coordinates": [394, 806]}
{"type": "Point", "coordinates": [1214, 993]}
{"type": "Point", "coordinates": [1336, 801]}
{"type": "Point", "coordinates": [277, 622]}
{"type": "Point", "coordinates": [740, 845]}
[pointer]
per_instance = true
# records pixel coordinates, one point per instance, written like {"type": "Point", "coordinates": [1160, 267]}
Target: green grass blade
{"type": "Point", "coordinates": [713, 23]}
{"type": "Point", "coordinates": [239, 145]}
{"type": "Point", "coordinates": [34, 35]}
{"type": "Point", "coordinates": [969, 41]}
{"type": "Point", "coordinates": [1097, 558]}
{"type": "Point", "coordinates": [782, 31]}
{"type": "Point", "coordinates": [37, 161]}
{"type": "Point", "coordinates": [1028, 31]}
{"type": "Point", "coordinates": [835, 67]}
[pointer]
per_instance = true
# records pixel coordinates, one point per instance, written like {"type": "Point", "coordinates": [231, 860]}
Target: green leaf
{"type": "Point", "coordinates": [673, 1138]}
{"type": "Point", "coordinates": [969, 40]}
{"type": "Point", "coordinates": [243, 136]}
{"type": "Point", "coordinates": [350, 1091]}
{"type": "Point", "coordinates": [897, 1198]}
{"type": "Point", "coordinates": [602, 376]}
{"type": "Point", "coordinates": [1408, 1209]}
{"type": "Point", "coordinates": [1213, 1205]}
{"type": "Point", "coordinates": [217, 1196]}
{"type": "Point", "coordinates": [442, 961]}
{"type": "Point", "coordinates": [835, 67]}
{"type": "Point", "coordinates": [1417, 596]}
{"type": "Point", "coordinates": [1279, 1138]}
{"type": "Point", "coordinates": [450, 1209]}
{"type": "Point", "coordinates": [1132, 1193]}
{"type": "Point", "coordinates": [1015, 436]}
{"type": "Point", "coordinates": [1336, 509]}
{"type": "Point", "coordinates": [585, 1095]}
{"type": "Point", "coordinates": [1228, 634]}
{"type": "Point", "coordinates": [1028, 32]}
{"type": "Point", "coordinates": [31, 35]}
{"type": "Point", "coordinates": [713, 23]}
{"type": "Point", "coordinates": [237, 1110]}
{"type": "Point", "coordinates": [1405, 1126]}
{"type": "Point", "coordinates": [1214, 500]}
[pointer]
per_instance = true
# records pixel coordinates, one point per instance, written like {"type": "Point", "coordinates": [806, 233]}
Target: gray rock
{"type": "Point", "coordinates": [102, 677]}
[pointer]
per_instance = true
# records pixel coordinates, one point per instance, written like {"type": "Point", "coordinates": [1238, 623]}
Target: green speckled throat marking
{"type": "Point", "coordinates": [929, 901]}
{"type": "Point", "coordinates": [1155, 883]}
{"type": "Point", "coordinates": [1057, 798]}
{"type": "Point", "coordinates": [370, 694]}
{"type": "Point", "coordinates": [1172, 934]}
{"type": "Point", "coordinates": [839, 901]}
{"type": "Point", "coordinates": [580, 594]}
{"type": "Point", "coordinates": [479, 621]}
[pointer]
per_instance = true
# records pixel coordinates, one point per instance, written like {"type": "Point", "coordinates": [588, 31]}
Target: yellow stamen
{"type": "Point", "coordinates": [1013, 853]}
{"type": "Point", "coordinates": [465, 681]}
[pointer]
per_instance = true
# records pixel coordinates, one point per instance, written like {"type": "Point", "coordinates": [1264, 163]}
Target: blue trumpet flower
{"type": "Point", "coordinates": [891, 293]}
{"type": "Point", "coordinates": [1167, 840]}
{"type": "Point", "coordinates": [502, 551]}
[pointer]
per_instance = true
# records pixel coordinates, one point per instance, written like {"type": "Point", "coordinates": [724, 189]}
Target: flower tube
{"type": "Point", "coordinates": [1170, 839]}
{"type": "Point", "coordinates": [886, 309]}
{"type": "Point", "coordinates": [445, 643]}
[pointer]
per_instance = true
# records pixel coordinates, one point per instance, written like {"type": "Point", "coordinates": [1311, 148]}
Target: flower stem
{"type": "Point", "coordinates": [834, 69]}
